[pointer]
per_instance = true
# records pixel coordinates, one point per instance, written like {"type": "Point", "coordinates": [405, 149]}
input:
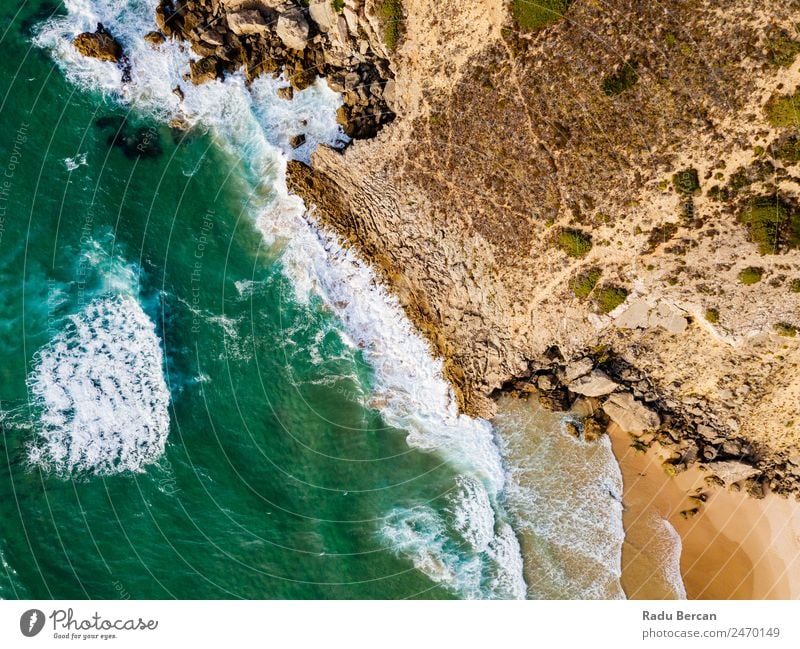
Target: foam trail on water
{"type": "Point", "coordinates": [100, 392]}
{"type": "Point", "coordinates": [252, 124]}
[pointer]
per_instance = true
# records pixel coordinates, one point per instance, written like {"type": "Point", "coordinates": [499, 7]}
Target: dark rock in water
{"type": "Point", "coordinates": [296, 141]}
{"type": "Point", "coordinates": [155, 38]}
{"type": "Point", "coordinates": [178, 92]}
{"type": "Point", "coordinates": [287, 93]}
{"type": "Point", "coordinates": [204, 70]}
{"type": "Point", "coordinates": [592, 429]}
{"type": "Point", "coordinates": [571, 428]}
{"type": "Point", "coordinates": [558, 400]}
{"type": "Point", "coordinates": [98, 45]}
{"type": "Point", "coordinates": [142, 142]}
{"type": "Point", "coordinates": [168, 19]}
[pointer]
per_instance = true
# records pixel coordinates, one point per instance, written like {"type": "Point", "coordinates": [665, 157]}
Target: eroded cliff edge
{"type": "Point", "coordinates": [598, 203]}
{"type": "Point", "coordinates": [620, 185]}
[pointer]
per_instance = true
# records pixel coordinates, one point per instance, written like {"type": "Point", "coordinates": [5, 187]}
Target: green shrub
{"type": "Point", "coordinates": [751, 275]}
{"type": "Point", "coordinates": [686, 181]}
{"type": "Point", "coordinates": [576, 243]}
{"type": "Point", "coordinates": [531, 15]}
{"type": "Point", "coordinates": [338, 5]}
{"type": "Point", "coordinates": [622, 79]}
{"type": "Point", "coordinates": [785, 329]}
{"type": "Point", "coordinates": [609, 298]}
{"type": "Point", "coordinates": [772, 223]}
{"type": "Point", "coordinates": [787, 150]}
{"type": "Point", "coordinates": [782, 50]}
{"type": "Point", "coordinates": [584, 283]}
{"type": "Point", "coordinates": [712, 315]}
{"type": "Point", "coordinates": [794, 286]}
{"type": "Point", "coordinates": [784, 110]}
{"type": "Point", "coordinates": [390, 15]}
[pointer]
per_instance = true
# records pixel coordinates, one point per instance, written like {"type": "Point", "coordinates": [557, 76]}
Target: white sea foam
{"type": "Point", "coordinates": [468, 551]}
{"type": "Point", "coordinates": [254, 126]}
{"type": "Point", "coordinates": [73, 163]}
{"type": "Point", "coordinates": [100, 393]}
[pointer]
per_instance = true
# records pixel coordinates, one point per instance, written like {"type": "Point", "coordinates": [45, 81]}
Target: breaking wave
{"type": "Point", "coordinates": [99, 390]}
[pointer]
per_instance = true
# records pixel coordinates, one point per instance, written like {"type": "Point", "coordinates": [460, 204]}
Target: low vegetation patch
{"type": "Point", "coordinates": [751, 275]}
{"type": "Point", "coordinates": [782, 49]}
{"type": "Point", "coordinates": [787, 149]}
{"type": "Point", "coordinates": [686, 181]}
{"type": "Point", "coordinates": [338, 6]}
{"type": "Point", "coordinates": [584, 283]}
{"type": "Point", "coordinates": [622, 79]}
{"type": "Point", "coordinates": [794, 286]}
{"type": "Point", "coordinates": [576, 243]}
{"type": "Point", "coordinates": [712, 315]}
{"type": "Point", "coordinates": [390, 14]}
{"type": "Point", "coordinates": [772, 223]}
{"type": "Point", "coordinates": [785, 329]}
{"type": "Point", "coordinates": [609, 298]}
{"type": "Point", "coordinates": [531, 15]}
{"type": "Point", "coordinates": [661, 234]}
{"type": "Point", "coordinates": [784, 110]}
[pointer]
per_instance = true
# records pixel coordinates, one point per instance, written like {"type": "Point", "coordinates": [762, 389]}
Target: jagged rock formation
{"type": "Point", "coordinates": [302, 42]}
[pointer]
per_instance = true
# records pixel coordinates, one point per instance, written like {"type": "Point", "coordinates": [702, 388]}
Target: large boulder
{"type": "Point", "coordinates": [203, 70]}
{"type": "Point", "coordinates": [731, 471]}
{"type": "Point", "coordinates": [292, 29]}
{"type": "Point", "coordinates": [98, 45]}
{"type": "Point", "coordinates": [668, 317]}
{"type": "Point", "coordinates": [576, 369]}
{"type": "Point", "coordinates": [595, 384]}
{"type": "Point", "coordinates": [248, 21]}
{"type": "Point", "coordinates": [323, 14]}
{"type": "Point", "coordinates": [629, 414]}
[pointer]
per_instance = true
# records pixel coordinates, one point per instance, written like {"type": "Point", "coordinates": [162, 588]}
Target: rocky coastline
{"type": "Point", "coordinates": [598, 389]}
{"type": "Point", "coordinates": [560, 254]}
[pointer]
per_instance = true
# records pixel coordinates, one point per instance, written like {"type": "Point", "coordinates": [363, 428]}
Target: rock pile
{"type": "Point", "coordinates": [284, 36]}
{"type": "Point", "coordinates": [603, 388]}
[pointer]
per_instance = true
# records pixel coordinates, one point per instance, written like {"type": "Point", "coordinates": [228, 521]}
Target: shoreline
{"type": "Point", "coordinates": [734, 547]}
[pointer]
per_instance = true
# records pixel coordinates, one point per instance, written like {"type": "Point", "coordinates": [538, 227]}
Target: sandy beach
{"type": "Point", "coordinates": [734, 547]}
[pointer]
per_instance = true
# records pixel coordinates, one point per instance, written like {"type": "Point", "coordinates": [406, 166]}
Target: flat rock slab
{"type": "Point", "coordinates": [732, 471]}
{"type": "Point", "coordinates": [595, 384]}
{"type": "Point", "coordinates": [630, 415]}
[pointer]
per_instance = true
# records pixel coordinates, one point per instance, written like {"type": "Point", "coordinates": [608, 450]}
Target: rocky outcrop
{"type": "Point", "coordinates": [287, 37]}
{"type": "Point", "coordinates": [99, 44]}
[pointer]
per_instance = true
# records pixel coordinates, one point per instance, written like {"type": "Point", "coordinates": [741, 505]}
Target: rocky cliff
{"type": "Point", "coordinates": [589, 202]}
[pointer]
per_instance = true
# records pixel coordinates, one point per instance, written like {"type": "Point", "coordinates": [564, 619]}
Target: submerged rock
{"type": "Point", "coordinates": [296, 141]}
{"type": "Point", "coordinates": [155, 38]}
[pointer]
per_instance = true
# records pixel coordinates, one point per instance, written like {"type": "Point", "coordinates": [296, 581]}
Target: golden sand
{"type": "Point", "coordinates": [734, 547]}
